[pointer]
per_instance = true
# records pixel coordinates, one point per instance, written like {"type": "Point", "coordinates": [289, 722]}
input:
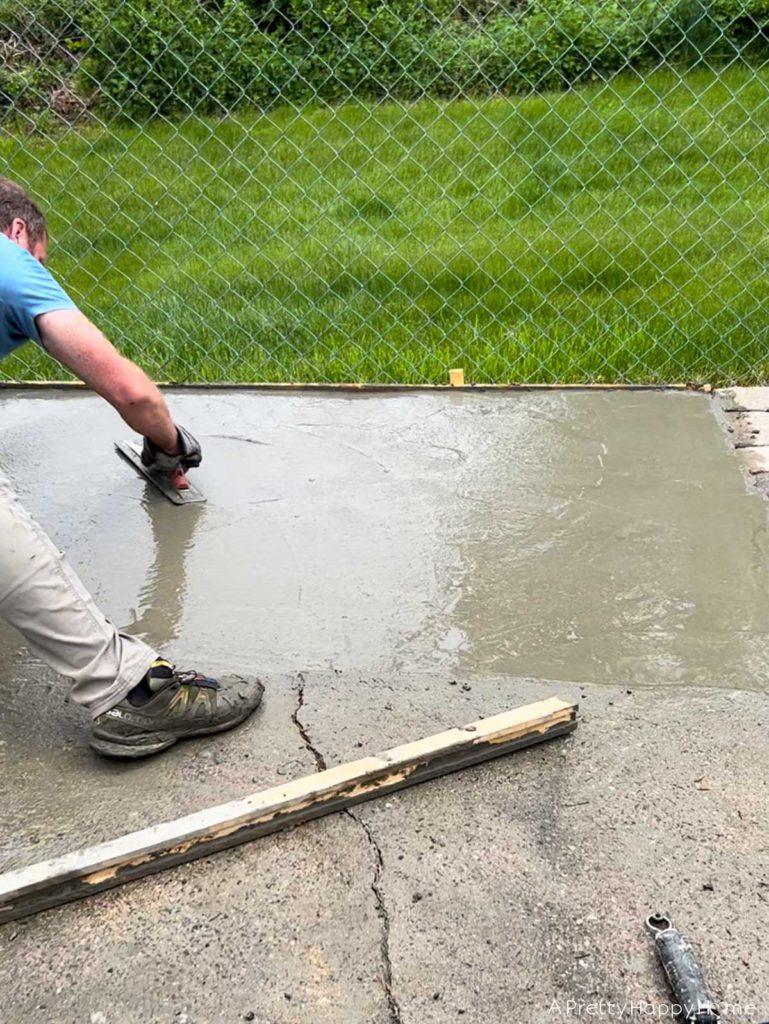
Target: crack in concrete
{"type": "Point", "coordinates": [383, 914]}
{"type": "Point", "coordinates": [320, 761]}
{"type": "Point", "coordinates": [240, 437]}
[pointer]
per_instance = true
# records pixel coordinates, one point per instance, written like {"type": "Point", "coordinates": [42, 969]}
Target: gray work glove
{"type": "Point", "coordinates": [189, 455]}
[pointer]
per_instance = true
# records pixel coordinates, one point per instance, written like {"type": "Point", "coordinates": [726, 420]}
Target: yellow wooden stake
{"type": "Point", "coordinates": [457, 378]}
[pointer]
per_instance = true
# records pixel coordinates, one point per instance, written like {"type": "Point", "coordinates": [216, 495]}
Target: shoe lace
{"type": "Point", "coordinates": [193, 678]}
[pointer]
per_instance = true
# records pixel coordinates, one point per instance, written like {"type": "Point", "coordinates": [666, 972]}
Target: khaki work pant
{"type": "Point", "coordinates": [41, 596]}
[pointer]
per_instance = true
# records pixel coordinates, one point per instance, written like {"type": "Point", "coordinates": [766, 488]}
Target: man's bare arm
{"type": "Point", "coordinates": [72, 340]}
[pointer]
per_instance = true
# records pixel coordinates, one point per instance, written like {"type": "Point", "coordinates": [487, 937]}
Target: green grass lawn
{"type": "Point", "coordinates": [618, 232]}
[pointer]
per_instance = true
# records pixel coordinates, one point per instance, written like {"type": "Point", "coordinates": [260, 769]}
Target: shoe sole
{"type": "Point", "coordinates": [160, 741]}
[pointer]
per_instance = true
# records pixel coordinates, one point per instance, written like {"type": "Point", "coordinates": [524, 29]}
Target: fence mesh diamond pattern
{"type": "Point", "coordinates": [363, 190]}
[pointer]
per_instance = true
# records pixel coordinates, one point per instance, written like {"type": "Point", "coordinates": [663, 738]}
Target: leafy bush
{"type": "Point", "coordinates": [375, 49]}
{"type": "Point", "coordinates": [146, 57]}
{"type": "Point", "coordinates": [708, 29]}
{"type": "Point", "coordinates": [177, 55]}
{"type": "Point", "coordinates": [546, 44]}
{"type": "Point", "coordinates": [38, 51]}
{"type": "Point", "coordinates": [557, 43]}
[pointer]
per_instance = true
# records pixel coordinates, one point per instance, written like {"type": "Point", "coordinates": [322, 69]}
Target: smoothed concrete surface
{"type": "Point", "coordinates": [417, 557]}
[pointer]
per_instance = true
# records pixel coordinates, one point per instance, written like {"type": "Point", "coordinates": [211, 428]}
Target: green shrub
{"type": "Point", "coordinates": [547, 44]}
{"type": "Point", "coordinates": [39, 41]}
{"type": "Point", "coordinates": [707, 29]}
{"type": "Point", "coordinates": [148, 58]}
{"type": "Point", "coordinates": [374, 53]}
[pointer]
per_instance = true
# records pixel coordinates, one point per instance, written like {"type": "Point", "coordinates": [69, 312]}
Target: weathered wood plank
{"type": "Point", "coordinates": [257, 386]}
{"type": "Point", "coordinates": [85, 872]}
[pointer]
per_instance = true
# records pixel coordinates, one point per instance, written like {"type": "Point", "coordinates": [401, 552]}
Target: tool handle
{"type": "Point", "coordinates": [684, 973]}
{"type": "Point", "coordinates": [178, 479]}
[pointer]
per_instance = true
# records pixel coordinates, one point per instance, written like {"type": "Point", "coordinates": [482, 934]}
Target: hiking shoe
{"type": "Point", "coordinates": [168, 706]}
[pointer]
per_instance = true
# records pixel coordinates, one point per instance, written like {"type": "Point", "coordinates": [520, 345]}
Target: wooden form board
{"type": "Point", "coordinates": [84, 872]}
{"type": "Point", "coordinates": [256, 386]}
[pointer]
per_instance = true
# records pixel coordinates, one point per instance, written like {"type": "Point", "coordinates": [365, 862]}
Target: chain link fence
{"type": "Point", "coordinates": [360, 190]}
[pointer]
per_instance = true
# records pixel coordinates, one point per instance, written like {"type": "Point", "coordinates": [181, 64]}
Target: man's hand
{"type": "Point", "coordinates": [187, 455]}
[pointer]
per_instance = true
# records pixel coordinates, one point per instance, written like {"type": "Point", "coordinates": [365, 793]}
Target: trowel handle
{"type": "Point", "coordinates": [683, 972]}
{"type": "Point", "coordinates": [178, 479]}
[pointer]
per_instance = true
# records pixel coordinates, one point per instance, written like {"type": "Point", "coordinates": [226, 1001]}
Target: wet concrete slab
{"type": "Point", "coordinates": [388, 547]}
{"type": "Point", "coordinates": [591, 536]}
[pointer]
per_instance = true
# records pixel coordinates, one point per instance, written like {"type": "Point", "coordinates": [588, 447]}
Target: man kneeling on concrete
{"type": "Point", "coordinates": [140, 703]}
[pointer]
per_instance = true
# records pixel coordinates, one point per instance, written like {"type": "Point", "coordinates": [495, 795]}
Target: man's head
{"type": "Point", "coordinates": [21, 220]}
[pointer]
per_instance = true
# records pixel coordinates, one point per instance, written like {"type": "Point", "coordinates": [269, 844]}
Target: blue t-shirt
{"type": "Point", "coordinates": [27, 289]}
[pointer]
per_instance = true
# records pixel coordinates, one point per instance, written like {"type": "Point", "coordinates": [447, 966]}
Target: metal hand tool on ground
{"type": "Point", "coordinates": [683, 972]}
{"type": "Point", "coordinates": [174, 485]}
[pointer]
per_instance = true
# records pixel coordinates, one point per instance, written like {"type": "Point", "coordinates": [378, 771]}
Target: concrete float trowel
{"type": "Point", "coordinates": [174, 485]}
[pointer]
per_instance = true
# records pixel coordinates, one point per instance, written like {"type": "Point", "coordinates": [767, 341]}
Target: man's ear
{"type": "Point", "coordinates": [17, 232]}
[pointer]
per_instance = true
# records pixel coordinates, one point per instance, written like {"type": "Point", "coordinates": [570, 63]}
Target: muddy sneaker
{"type": "Point", "coordinates": [168, 706]}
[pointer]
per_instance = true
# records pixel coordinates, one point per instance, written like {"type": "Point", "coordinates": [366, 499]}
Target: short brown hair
{"type": "Point", "coordinates": [14, 202]}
